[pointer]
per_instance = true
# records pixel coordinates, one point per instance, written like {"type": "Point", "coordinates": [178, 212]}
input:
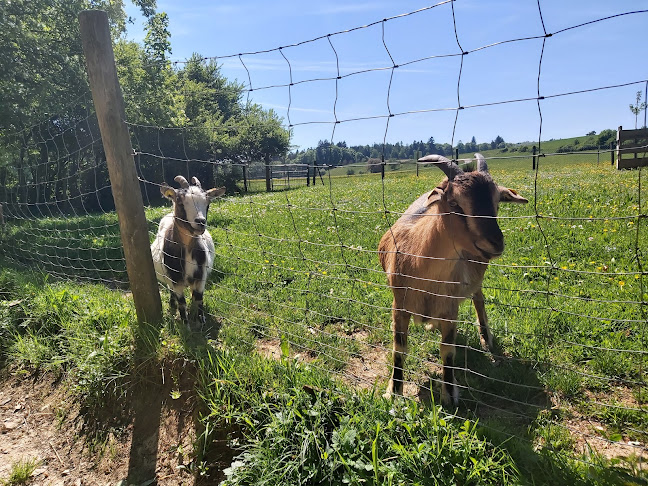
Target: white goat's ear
{"type": "Point", "coordinates": [168, 192]}
{"type": "Point", "coordinates": [214, 193]}
{"type": "Point", "coordinates": [510, 195]}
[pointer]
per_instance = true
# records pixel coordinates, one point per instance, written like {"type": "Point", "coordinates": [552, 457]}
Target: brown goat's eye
{"type": "Point", "coordinates": [453, 204]}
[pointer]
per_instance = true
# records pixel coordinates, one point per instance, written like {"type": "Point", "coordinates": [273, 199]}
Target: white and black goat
{"type": "Point", "coordinates": [435, 256]}
{"type": "Point", "coordinates": [183, 250]}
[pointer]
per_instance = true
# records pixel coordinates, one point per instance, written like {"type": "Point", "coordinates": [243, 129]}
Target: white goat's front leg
{"type": "Point", "coordinates": [197, 271]}
{"type": "Point", "coordinates": [400, 327]}
{"type": "Point", "coordinates": [485, 334]}
{"type": "Point", "coordinates": [449, 390]}
{"type": "Point", "coordinates": [197, 308]}
{"type": "Point", "coordinates": [178, 300]}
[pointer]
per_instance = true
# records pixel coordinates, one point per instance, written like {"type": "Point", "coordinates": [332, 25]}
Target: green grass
{"type": "Point", "coordinates": [21, 472]}
{"type": "Point", "coordinates": [305, 429]}
{"type": "Point", "coordinates": [299, 267]}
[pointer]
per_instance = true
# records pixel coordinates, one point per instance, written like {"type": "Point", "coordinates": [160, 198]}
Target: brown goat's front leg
{"type": "Point", "coordinates": [485, 334]}
{"type": "Point", "coordinates": [449, 390]}
{"type": "Point", "coordinates": [400, 326]}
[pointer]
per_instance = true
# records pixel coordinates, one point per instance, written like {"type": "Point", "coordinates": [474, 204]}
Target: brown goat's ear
{"type": "Point", "coordinates": [168, 192]}
{"type": "Point", "coordinates": [435, 195]}
{"type": "Point", "coordinates": [510, 195]}
{"type": "Point", "coordinates": [214, 193]}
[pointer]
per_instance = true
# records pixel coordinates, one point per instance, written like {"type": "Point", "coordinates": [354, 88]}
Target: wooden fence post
{"type": "Point", "coordinates": [598, 155]}
{"type": "Point", "coordinates": [533, 163]}
{"type": "Point", "coordinates": [268, 174]}
{"type": "Point", "coordinates": [109, 106]}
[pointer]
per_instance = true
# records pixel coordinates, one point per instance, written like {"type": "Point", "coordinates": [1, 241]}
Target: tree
{"type": "Point", "coordinates": [638, 107]}
{"type": "Point", "coordinates": [45, 98]}
{"type": "Point", "coordinates": [495, 143]}
{"type": "Point", "coordinates": [431, 146]}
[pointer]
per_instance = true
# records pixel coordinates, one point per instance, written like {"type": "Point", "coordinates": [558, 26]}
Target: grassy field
{"type": "Point", "coordinates": [295, 355]}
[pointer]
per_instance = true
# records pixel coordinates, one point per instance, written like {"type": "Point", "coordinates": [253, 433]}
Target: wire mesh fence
{"type": "Point", "coordinates": [298, 266]}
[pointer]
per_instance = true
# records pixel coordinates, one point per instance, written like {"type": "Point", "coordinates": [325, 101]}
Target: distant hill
{"type": "Point", "coordinates": [360, 164]}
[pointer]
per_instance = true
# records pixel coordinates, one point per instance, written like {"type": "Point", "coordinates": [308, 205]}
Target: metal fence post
{"type": "Point", "coordinates": [109, 105]}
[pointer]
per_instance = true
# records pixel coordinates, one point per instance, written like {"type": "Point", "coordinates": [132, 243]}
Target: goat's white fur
{"type": "Point", "coordinates": [183, 250]}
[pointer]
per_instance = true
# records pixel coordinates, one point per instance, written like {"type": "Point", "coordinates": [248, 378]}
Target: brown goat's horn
{"type": "Point", "coordinates": [448, 167]}
{"type": "Point", "coordinates": [196, 182]}
{"type": "Point", "coordinates": [182, 181]}
{"type": "Point", "coordinates": [481, 163]}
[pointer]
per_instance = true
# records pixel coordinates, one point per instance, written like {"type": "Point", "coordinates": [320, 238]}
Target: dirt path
{"type": "Point", "coordinates": [40, 421]}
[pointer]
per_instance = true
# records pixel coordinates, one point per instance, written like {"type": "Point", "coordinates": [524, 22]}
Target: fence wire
{"type": "Point", "coordinates": [299, 265]}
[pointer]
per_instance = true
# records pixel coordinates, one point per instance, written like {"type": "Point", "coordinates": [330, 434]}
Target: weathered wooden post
{"type": "Point", "coordinates": [611, 153]}
{"type": "Point", "coordinates": [109, 105]}
{"type": "Point", "coordinates": [598, 154]}
{"type": "Point", "coordinates": [618, 148]}
{"type": "Point", "coordinates": [533, 158]}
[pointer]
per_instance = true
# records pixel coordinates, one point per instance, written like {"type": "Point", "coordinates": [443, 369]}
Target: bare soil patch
{"type": "Point", "coordinates": [40, 419]}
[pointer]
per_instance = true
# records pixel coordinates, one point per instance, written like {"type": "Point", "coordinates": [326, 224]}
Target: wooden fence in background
{"type": "Point", "coordinates": [631, 148]}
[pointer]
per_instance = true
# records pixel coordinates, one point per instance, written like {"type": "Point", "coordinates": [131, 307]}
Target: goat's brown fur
{"type": "Point", "coordinates": [435, 256]}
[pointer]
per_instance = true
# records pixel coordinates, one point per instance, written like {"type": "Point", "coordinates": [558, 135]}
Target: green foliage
{"type": "Point", "coordinates": [303, 429]}
{"type": "Point", "coordinates": [64, 328]}
{"type": "Point", "coordinates": [43, 69]}
{"type": "Point", "coordinates": [21, 472]}
{"type": "Point", "coordinates": [45, 104]}
{"type": "Point", "coordinates": [638, 107]}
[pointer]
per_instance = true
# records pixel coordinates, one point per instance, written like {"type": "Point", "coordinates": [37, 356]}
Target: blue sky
{"type": "Point", "coordinates": [422, 93]}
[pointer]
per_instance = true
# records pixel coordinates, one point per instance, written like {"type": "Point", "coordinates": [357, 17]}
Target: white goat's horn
{"type": "Point", "coordinates": [182, 181]}
{"type": "Point", "coordinates": [481, 163]}
{"type": "Point", "coordinates": [448, 167]}
{"type": "Point", "coordinates": [196, 182]}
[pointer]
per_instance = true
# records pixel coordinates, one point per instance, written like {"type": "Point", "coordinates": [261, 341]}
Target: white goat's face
{"type": "Point", "coordinates": [474, 199]}
{"type": "Point", "coordinates": [194, 204]}
{"type": "Point", "coordinates": [190, 204]}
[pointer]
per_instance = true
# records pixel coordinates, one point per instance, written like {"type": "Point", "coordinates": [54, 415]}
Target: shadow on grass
{"type": "Point", "coordinates": [158, 402]}
{"type": "Point", "coordinates": [514, 411]}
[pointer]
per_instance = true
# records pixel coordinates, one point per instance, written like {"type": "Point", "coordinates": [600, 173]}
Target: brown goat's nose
{"type": "Point", "coordinates": [201, 221]}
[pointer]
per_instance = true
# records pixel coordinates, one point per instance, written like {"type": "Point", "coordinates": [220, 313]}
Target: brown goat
{"type": "Point", "coordinates": [435, 256]}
